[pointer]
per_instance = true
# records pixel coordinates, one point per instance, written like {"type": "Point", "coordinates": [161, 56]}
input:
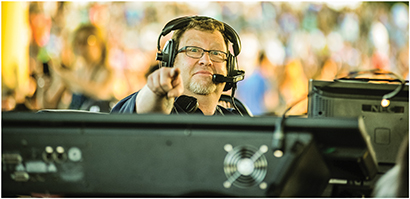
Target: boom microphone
{"type": "Point", "coordinates": [239, 75]}
{"type": "Point", "coordinates": [217, 78]}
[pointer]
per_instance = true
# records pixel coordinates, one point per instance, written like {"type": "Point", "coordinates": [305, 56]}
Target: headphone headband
{"type": "Point", "coordinates": [181, 22]}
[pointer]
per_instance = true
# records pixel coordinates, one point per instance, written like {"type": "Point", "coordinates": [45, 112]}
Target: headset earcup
{"type": "Point", "coordinates": [167, 55]}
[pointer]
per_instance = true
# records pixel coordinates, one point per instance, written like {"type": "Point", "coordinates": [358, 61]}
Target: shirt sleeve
{"type": "Point", "coordinates": [126, 105]}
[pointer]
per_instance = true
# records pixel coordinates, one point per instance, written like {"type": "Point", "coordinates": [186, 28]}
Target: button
{"type": "Point", "coordinates": [382, 136]}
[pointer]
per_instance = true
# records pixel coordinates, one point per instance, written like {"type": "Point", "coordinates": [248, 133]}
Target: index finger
{"type": "Point", "coordinates": [174, 72]}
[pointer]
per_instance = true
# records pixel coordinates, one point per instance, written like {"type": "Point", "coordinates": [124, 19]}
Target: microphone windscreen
{"type": "Point", "coordinates": [217, 78]}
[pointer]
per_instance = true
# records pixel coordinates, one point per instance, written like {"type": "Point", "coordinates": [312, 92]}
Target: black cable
{"type": "Point", "coordinates": [278, 141]}
{"type": "Point", "coordinates": [387, 96]}
{"type": "Point", "coordinates": [233, 99]}
{"type": "Point", "coordinates": [354, 74]}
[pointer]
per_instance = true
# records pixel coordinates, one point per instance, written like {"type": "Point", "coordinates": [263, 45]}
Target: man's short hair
{"type": "Point", "coordinates": [203, 24]}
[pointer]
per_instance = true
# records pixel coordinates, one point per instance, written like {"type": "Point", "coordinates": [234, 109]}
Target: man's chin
{"type": "Point", "coordinates": [202, 87]}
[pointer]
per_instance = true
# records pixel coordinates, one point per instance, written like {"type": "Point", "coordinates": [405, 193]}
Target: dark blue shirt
{"type": "Point", "coordinates": [127, 105]}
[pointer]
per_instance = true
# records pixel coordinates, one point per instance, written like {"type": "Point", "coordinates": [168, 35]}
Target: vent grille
{"type": "Point", "coordinates": [322, 107]}
{"type": "Point", "coordinates": [245, 166]}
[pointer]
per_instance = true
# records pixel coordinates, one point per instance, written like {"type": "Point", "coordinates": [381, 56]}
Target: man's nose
{"type": "Point", "coordinates": [205, 59]}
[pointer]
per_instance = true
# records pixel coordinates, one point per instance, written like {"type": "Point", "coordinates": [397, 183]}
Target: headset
{"type": "Point", "coordinates": [169, 52]}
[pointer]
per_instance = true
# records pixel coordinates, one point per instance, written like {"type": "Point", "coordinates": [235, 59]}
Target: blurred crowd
{"type": "Point", "coordinates": [89, 55]}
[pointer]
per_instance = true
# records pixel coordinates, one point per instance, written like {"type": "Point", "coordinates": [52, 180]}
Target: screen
{"type": "Point", "coordinates": [386, 126]}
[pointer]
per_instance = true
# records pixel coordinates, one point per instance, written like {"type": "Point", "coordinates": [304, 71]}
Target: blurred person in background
{"type": "Point", "coordinates": [47, 27]}
{"type": "Point", "coordinates": [19, 31]}
{"type": "Point", "coordinates": [252, 90]}
{"type": "Point", "coordinates": [84, 72]}
{"type": "Point", "coordinates": [293, 87]}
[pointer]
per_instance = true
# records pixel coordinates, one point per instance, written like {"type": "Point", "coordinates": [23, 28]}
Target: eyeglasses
{"type": "Point", "coordinates": [197, 52]}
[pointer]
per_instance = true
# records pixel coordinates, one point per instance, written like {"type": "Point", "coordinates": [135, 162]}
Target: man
{"type": "Point", "coordinates": [201, 51]}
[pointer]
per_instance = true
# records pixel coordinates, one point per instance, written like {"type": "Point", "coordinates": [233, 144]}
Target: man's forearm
{"type": "Point", "coordinates": [149, 102]}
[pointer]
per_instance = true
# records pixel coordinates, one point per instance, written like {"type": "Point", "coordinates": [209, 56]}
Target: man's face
{"type": "Point", "coordinates": [197, 73]}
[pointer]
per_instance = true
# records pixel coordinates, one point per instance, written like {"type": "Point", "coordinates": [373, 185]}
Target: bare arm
{"type": "Point", "coordinates": [158, 95]}
{"type": "Point", "coordinates": [49, 95]}
{"type": "Point", "coordinates": [98, 90]}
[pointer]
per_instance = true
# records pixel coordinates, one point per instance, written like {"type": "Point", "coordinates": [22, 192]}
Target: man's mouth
{"type": "Point", "coordinates": [206, 73]}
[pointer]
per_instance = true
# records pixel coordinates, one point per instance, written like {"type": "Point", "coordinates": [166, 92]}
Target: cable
{"type": "Point", "coordinates": [278, 140]}
{"type": "Point", "coordinates": [233, 99]}
{"type": "Point", "coordinates": [385, 102]}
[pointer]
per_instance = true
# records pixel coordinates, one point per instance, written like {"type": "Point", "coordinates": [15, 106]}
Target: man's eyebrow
{"type": "Point", "coordinates": [214, 46]}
